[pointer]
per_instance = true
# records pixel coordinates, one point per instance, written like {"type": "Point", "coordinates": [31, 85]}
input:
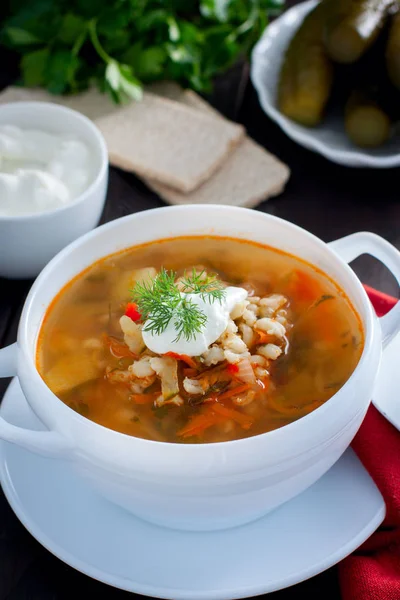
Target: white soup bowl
{"type": "Point", "coordinates": [201, 486]}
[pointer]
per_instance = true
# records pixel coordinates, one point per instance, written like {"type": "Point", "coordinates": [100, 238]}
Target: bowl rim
{"type": "Point", "coordinates": [300, 134]}
{"type": "Point", "coordinates": [98, 140]}
{"type": "Point", "coordinates": [370, 328]}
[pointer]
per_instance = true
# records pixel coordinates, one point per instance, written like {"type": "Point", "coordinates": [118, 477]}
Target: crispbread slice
{"type": "Point", "coordinates": [248, 176]}
{"type": "Point", "coordinates": [168, 142]}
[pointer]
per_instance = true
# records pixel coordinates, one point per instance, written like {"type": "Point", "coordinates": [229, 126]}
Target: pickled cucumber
{"type": "Point", "coordinates": [366, 122]}
{"type": "Point", "coordinates": [307, 74]}
{"type": "Point", "coordinates": [352, 26]}
{"type": "Point", "coordinates": [393, 51]}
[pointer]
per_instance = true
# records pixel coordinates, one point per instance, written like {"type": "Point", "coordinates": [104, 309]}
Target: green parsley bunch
{"type": "Point", "coordinates": [66, 45]}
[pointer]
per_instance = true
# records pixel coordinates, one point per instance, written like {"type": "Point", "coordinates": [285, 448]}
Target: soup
{"type": "Point", "coordinates": [196, 340]}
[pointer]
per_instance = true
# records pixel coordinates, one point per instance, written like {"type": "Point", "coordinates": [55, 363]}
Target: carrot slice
{"type": "Point", "coordinates": [184, 358]}
{"type": "Point", "coordinates": [211, 398]}
{"type": "Point", "coordinates": [322, 322]}
{"type": "Point", "coordinates": [117, 348]}
{"type": "Point", "coordinates": [142, 398]}
{"type": "Point", "coordinates": [243, 420]}
{"type": "Point", "coordinates": [318, 320]}
{"type": "Point", "coordinates": [263, 384]}
{"type": "Point", "coordinates": [233, 391]}
{"type": "Point", "coordinates": [263, 337]}
{"type": "Point", "coordinates": [303, 287]}
{"type": "Point", "coordinates": [213, 415]}
{"type": "Point", "coordinates": [198, 424]}
{"type": "Point", "coordinates": [190, 372]}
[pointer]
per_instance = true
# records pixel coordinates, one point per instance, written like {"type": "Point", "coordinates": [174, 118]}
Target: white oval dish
{"type": "Point", "coordinates": [29, 242]}
{"type": "Point", "coordinates": [201, 486]}
{"type": "Point", "coordinates": [329, 138]}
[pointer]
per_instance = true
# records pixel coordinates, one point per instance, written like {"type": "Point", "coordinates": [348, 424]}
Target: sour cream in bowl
{"type": "Point", "coordinates": [53, 183]}
{"type": "Point", "coordinates": [216, 321]}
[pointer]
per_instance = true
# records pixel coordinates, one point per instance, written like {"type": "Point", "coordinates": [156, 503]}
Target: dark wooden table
{"type": "Point", "coordinates": [329, 200]}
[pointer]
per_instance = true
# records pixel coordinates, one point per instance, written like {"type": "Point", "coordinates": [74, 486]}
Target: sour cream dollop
{"type": "Point", "coordinates": [217, 315]}
{"type": "Point", "coordinates": [40, 171]}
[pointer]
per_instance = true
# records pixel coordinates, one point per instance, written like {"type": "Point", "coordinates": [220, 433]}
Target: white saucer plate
{"type": "Point", "coordinates": [329, 138]}
{"type": "Point", "coordinates": [300, 539]}
{"type": "Point", "coordinates": [386, 396]}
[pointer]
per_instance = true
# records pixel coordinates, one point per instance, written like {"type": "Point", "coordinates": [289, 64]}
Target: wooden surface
{"type": "Point", "coordinates": [328, 200]}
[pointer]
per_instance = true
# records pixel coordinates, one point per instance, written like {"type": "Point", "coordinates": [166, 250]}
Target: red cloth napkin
{"type": "Point", "coordinates": [373, 571]}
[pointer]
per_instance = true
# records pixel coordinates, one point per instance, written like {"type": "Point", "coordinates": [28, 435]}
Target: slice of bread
{"type": "Point", "coordinates": [167, 89]}
{"type": "Point", "coordinates": [91, 103]}
{"type": "Point", "coordinates": [168, 142]}
{"type": "Point", "coordinates": [248, 176]}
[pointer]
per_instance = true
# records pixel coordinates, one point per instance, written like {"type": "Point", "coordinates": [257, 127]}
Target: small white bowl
{"type": "Point", "coordinates": [201, 486]}
{"type": "Point", "coordinates": [29, 242]}
{"type": "Point", "coordinates": [329, 138]}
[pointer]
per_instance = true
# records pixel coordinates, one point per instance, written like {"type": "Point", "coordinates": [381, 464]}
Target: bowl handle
{"type": "Point", "coordinates": [46, 443]}
{"type": "Point", "coordinates": [351, 246]}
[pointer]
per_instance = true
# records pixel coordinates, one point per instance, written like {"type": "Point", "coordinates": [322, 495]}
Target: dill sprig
{"type": "Point", "coordinates": [189, 320]}
{"type": "Point", "coordinates": [206, 285]}
{"type": "Point", "coordinates": [160, 301]}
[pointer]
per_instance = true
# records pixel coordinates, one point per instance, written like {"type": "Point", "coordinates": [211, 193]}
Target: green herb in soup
{"type": "Point", "coordinates": [196, 340]}
{"type": "Point", "coordinates": [163, 300]}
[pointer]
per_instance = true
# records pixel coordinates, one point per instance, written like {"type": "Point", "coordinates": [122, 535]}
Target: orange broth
{"type": "Point", "coordinates": [80, 338]}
